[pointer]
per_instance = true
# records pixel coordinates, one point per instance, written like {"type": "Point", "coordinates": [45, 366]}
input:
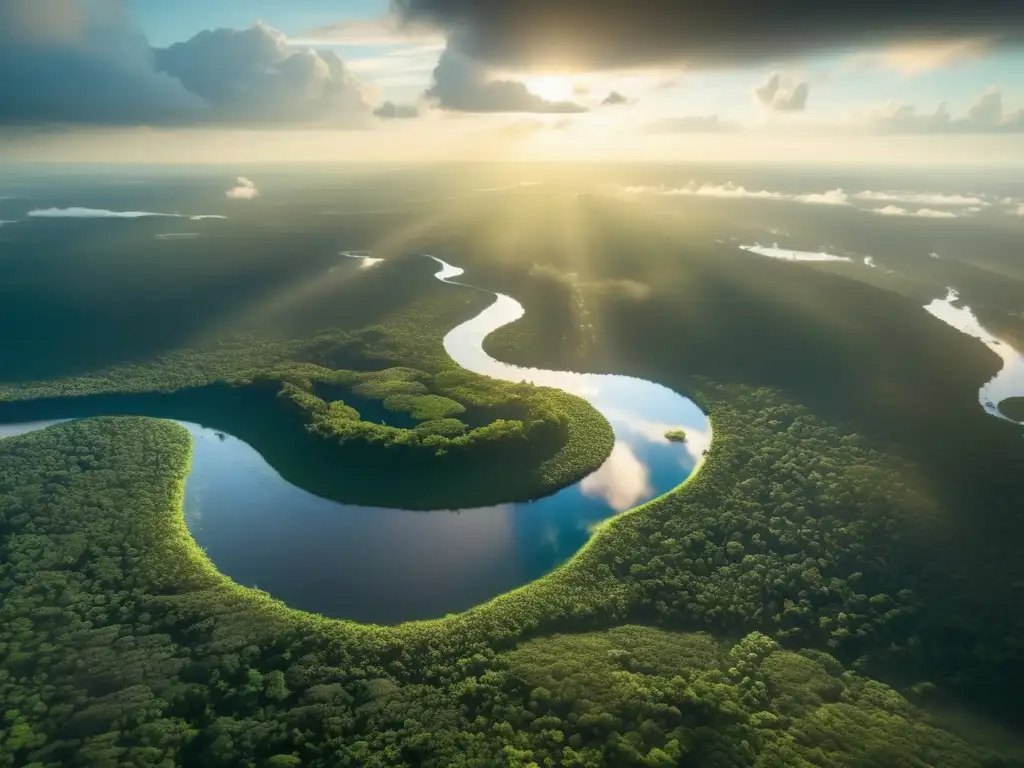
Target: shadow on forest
{"type": "Point", "coordinates": [358, 474]}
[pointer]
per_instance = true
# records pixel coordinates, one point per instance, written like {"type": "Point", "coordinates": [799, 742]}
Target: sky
{"type": "Point", "coordinates": [335, 80]}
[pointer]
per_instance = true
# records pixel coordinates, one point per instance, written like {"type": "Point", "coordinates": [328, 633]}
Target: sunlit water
{"type": "Point", "coordinates": [385, 565]}
{"type": "Point", "coordinates": [1009, 382]}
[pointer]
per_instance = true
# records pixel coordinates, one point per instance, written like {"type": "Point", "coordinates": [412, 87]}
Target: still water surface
{"type": "Point", "coordinates": [383, 565]}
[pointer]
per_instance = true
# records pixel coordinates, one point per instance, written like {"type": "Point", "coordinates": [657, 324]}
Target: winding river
{"type": "Point", "coordinates": [1006, 384]}
{"type": "Point", "coordinates": [384, 565]}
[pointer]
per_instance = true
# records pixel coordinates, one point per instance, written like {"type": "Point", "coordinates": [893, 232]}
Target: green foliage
{"type": "Point", "coordinates": [443, 427]}
{"type": "Point", "coordinates": [120, 641]}
{"type": "Point", "coordinates": [121, 645]}
{"type": "Point", "coordinates": [424, 407]}
{"type": "Point", "coordinates": [820, 341]}
{"type": "Point", "coordinates": [528, 441]}
{"type": "Point", "coordinates": [382, 384]}
{"type": "Point", "coordinates": [645, 697]}
{"type": "Point", "coordinates": [676, 435]}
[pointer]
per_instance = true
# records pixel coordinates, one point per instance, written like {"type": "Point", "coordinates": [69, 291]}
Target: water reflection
{"type": "Point", "coordinates": [385, 565]}
{"type": "Point", "coordinates": [366, 563]}
{"type": "Point", "coordinates": [367, 260]}
{"type": "Point", "coordinates": [1009, 382]}
{"type": "Point", "coordinates": [640, 411]}
{"type": "Point", "coordinates": [622, 481]}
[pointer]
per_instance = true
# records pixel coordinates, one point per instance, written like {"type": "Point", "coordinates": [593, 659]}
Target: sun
{"type": "Point", "coordinates": [551, 87]}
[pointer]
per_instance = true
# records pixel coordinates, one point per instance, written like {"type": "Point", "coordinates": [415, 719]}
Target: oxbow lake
{"type": "Point", "coordinates": [383, 565]}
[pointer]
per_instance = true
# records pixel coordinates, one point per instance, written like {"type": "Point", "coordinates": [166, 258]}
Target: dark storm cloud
{"type": "Point", "coordinates": [391, 111]}
{"type": "Point", "coordinates": [84, 61]}
{"type": "Point", "coordinates": [606, 33]}
{"type": "Point", "coordinates": [780, 95]}
{"type": "Point", "coordinates": [463, 85]}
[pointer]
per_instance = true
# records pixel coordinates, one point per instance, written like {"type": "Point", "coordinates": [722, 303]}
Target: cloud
{"type": "Point", "coordinates": [727, 190]}
{"type": "Point", "coordinates": [915, 57]}
{"type": "Point", "coordinates": [614, 98]}
{"type": "Point", "coordinates": [1020, 210]}
{"type": "Point", "coordinates": [692, 124]}
{"type": "Point", "coordinates": [463, 85]}
{"type": "Point", "coordinates": [103, 213]}
{"type": "Point", "coordinates": [382, 31]}
{"type": "Point", "coordinates": [923, 213]}
{"type": "Point", "coordinates": [787, 254]}
{"type": "Point", "coordinates": [391, 111]}
{"type": "Point", "coordinates": [84, 62]}
{"type": "Point", "coordinates": [93, 213]}
{"type": "Point", "coordinates": [921, 198]}
{"type": "Point", "coordinates": [836, 197]}
{"type": "Point", "coordinates": [245, 189]}
{"type": "Point", "coordinates": [253, 75]}
{"type": "Point", "coordinates": [832, 197]}
{"type": "Point", "coordinates": [55, 21]}
{"type": "Point", "coordinates": [986, 115]}
{"type": "Point", "coordinates": [588, 34]}
{"type": "Point", "coordinates": [781, 94]}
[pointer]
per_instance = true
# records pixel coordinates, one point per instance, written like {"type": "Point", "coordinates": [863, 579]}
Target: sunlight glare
{"type": "Point", "coordinates": [551, 87]}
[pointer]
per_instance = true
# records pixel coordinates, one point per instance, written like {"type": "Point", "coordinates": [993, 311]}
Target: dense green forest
{"type": "Point", "coordinates": [121, 644]}
{"type": "Point", "coordinates": [824, 343]}
{"type": "Point", "coordinates": [851, 544]}
{"type": "Point", "coordinates": [457, 438]}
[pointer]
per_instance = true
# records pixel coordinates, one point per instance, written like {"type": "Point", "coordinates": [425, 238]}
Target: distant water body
{"type": "Point", "coordinates": [385, 565]}
{"type": "Point", "coordinates": [1009, 382]}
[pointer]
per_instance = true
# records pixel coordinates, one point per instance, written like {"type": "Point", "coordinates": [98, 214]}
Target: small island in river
{"type": "Point", "coordinates": [676, 435]}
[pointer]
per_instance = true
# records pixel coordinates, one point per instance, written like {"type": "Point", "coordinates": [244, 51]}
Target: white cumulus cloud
{"type": "Point", "coordinates": [781, 93]}
{"type": "Point", "coordinates": [986, 115]}
{"type": "Point", "coordinates": [922, 213]}
{"type": "Point", "coordinates": [832, 197]}
{"type": "Point", "coordinates": [245, 189]}
{"type": "Point", "coordinates": [727, 190]}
